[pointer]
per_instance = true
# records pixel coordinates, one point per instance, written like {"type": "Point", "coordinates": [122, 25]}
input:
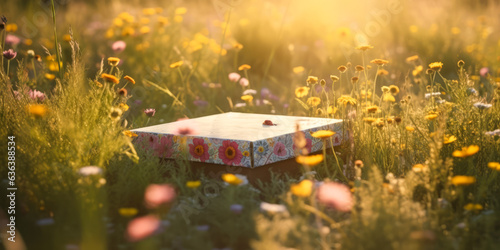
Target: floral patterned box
{"type": "Point", "coordinates": [237, 139]}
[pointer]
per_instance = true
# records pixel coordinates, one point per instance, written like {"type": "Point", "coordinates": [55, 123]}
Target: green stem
{"type": "Point", "coordinates": [8, 68]}
{"type": "Point", "coordinates": [55, 38]}
{"type": "Point", "coordinates": [34, 69]}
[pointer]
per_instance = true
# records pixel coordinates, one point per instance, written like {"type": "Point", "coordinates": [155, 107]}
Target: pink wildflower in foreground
{"type": "Point", "coordinates": [118, 46]}
{"type": "Point", "coordinates": [234, 77]}
{"type": "Point", "coordinates": [335, 195]}
{"type": "Point", "coordinates": [159, 194]}
{"type": "Point", "coordinates": [142, 227]}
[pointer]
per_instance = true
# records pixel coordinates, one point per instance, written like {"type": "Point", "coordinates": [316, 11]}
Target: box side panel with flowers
{"type": "Point", "coordinates": [198, 149]}
{"type": "Point", "coordinates": [280, 148]}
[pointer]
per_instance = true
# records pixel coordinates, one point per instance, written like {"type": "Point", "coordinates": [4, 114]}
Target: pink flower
{"type": "Point", "coordinates": [199, 149]}
{"type": "Point", "coordinates": [229, 153]}
{"type": "Point", "coordinates": [164, 148]}
{"type": "Point", "coordinates": [335, 195]}
{"type": "Point", "coordinates": [142, 227]}
{"type": "Point", "coordinates": [12, 40]}
{"type": "Point", "coordinates": [234, 77]}
{"type": "Point", "coordinates": [183, 129]}
{"type": "Point", "coordinates": [36, 95]}
{"type": "Point", "coordinates": [484, 71]}
{"type": "Point", "coordinates": [279, 149]}
{"type": "Point", "coordinates": [158, 194]}
{"type": "Point", "coordinates": [244, 82]}
{"type": "Point", "coordinates": [119, 46]}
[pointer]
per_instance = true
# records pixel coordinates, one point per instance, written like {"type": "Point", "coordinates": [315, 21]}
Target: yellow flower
{"type": "Point", "coordinates": [301, 92]}
{"type": "Point", "coordinates": [128, 31]}
{"type": "Point", "coordinates": [115, 114]}
{"type": "Point", "coordinates": [385, 89]}
{"type": "Point", "coordinates": [380, 62]}
{"type": "Point", "coordinates": [37, 110]}
{"type": "Point", "coordinates": [382, 72]}
{"type": "Point", "coordinates": [130, 79]}
{"type": "Point", "coordinates": [417, 70]}
{"type": "Point", "coordinates": [176, 64]}
{"type": "Point", "coordinates": [129, 133]}
{"type": "Point", "coordinates": [144, 30]}
{"type": "Point", "coordinates": [110, 78]}
{"type": "Point", "coordinates": [302, 189]}
{"type": "Point", "coordinates": [11, 27]}
{"type": "Point", "coordinates": [244, 67]}
{"type": "Point", "coordinates": [369, 120]}
{"type": "Point", "coordinates": [419, 168]}
{"type": "Point", "coordinates": [67, 37]}
{"type": "Point", "coordinates": [193, 184]}
{"type": "Point", "coordinates": [449, 139]}
{"type": "Point", "coordinates": [345, 100]}
{"type": "Point", "coordinates": [178, 19]}
{"type": "Point", "coordinates": [494, 165]}
{"type": "Point", "coordinates": [463, 180]}
{"type": "Point", "coordinates": [232, 179]}
{"type": "Point", "coordinates": [331, 110]}
{"type": "Point", "coordinates": [372, 109]}
{"type": "Point", "coordinates": [342, 68]}
{"type": "Point", "coordinates": [313, 101]}
{"type": "Point", "coordinates": [148, 11]}
{"type": "Point", "coordinates": [455, 31]}
{"type": "Point", "coordinates": [359, 68]}
{"type": "Point", "coordinates": [180, 11]}
{"type": "Point", "coordinates": [334, 78]}
{"type": "Point", "coordinates": [410, 128]}
{"type": "Point", "coordinates": [364, 47]}
{"type": "Point", "coordinates": [322, 134]}
{"type": "Point", "coordinates": [431, 117]}
{"type": "Point", "coordinates": [394, 89]}
{"type": "Point", "coordinates": [312, 80]}
{"type": "Point", "coordinates": [436, 66]}
{"type": "Point", "coordinates": [247, 98]}
{"type": "Point", "coordinates": [466, 151]}
{"type": "Point", "coordinates": [53, 66]}
{"type": "Point", "coordinates": [49, 76]}
{"type": "Point", "coordinates": [310, 160]}
{"type": "Point", "coordinates": [127, 211]}
{"type": "Point", "coordinates": [389, 98]}
{"type": "Point", "coordinates": [298, 69]}
{"type": "Point", "coordinates": [113, 61]}
{"type": "Point", "coordinates": [412, 58]}
{"type": "Point", "coordinates": [473, 207]}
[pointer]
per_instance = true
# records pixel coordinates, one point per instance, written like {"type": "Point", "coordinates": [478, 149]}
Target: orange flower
{"type": "Point", "coordinates": [110, 78]}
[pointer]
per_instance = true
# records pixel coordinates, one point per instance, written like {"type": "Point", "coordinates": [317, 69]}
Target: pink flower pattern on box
{"type": "Point", "coordinates": [229, 153]}
{"type": "Point", "coordinates": [199, 149]}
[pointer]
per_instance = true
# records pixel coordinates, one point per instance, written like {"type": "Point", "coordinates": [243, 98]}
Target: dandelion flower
{"type": "Point", "coordinates": [113, 61]}
{"type": "Point", "coordinates": [247, 98]}
{"type": "Point", "coordinates": [130, 79]}
{"type": "Point", "coordinates": [449, 139]}
{"type": "Point", "coordinates": [322, 134]}
{"type": "Point", "coordinates": [347, 100]}
{"type": "Point", "coordinates": [494, 165]}
{"type": "Point", "coordinates": [244, 67]}
{"type": "Point", "coordinates": [369, 120]}
{"type": "Point", "coordinates": [193, 184]}
{"type": "Point", "coordinates": [372, 109]}
{"type": "Point", "coordinates": [463, 180]}
{"type": "Point", "coordinates": [473, 207]}
{"type": "Point", "coordinates": [127, 211]}
{"type": "Point", "coordinates": [364, 47]}
{"type": "Point", "coordinates": [394, 89]}
{"type": "Point", "coordinates": [37, 110]}
{"type": "Point", "coordinates": [431, 117]}
{"type": "Point", "coordinates": [410, 128]}
{"type": "Point", "coordinates": [302, 189]}
{"type": "Point", "coordinates": [313, 101]}
{"type": "Point", "coordinates": [129, 133]}
{"type": "Point", "coordinates": [342, 68]}
{"type": "Point", "coordinates": [412, 58]}
{"type": "Point", "coordinates": [232, 179]}
{"type": "Point", "coordinates": [311, 80]}
{"type": "Point", "coordinates": [298, 69]}
{"type": "Point", "coordinates": [380, 62]}
{"type": "Point", "coordinates": [176, 64]}
{"type": "Point", "coordinates": [301, 92]}
{"type": "Point", "coordinates": [436, 66]}
{"type": "Point", "coordinates": [466, 151]}
{"type": "Point", "coordinates": [311, 160]}
{"type": "Point", "coordinates": [110, 78]}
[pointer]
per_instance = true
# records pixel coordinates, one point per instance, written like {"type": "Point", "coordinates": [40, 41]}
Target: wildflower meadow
{"type": "Point", "coordinates": [414, 87]}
